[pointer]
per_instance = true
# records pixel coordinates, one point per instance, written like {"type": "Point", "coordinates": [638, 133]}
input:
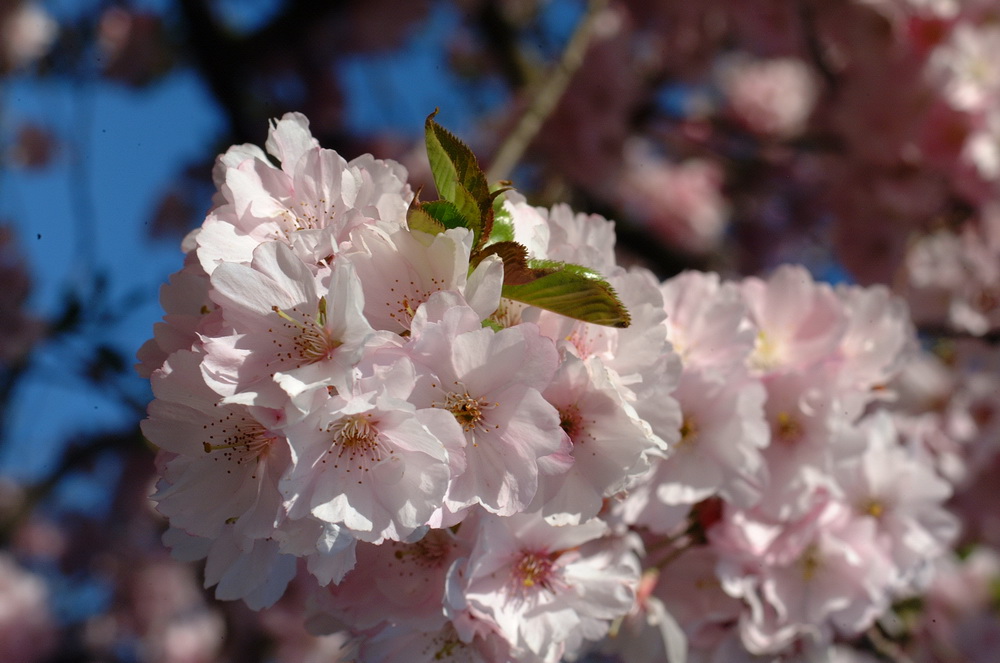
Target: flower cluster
{"type": "Point", "coordinates": [467, 430]}
{"type": "Point", "coordinates": [334, 387]}
{"type": "Point", "coordinates": [803, 511]}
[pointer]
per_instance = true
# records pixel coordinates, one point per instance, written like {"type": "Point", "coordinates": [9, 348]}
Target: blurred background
{"type": "Point", "coordinates": [860, 138]}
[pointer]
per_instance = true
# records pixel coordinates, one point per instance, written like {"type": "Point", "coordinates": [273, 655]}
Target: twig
{"type": "Point", "coordinates": [75, 458]}
{"type": "Point", "coordinates": [669, 558]}
{"type": "Point", "coordinates": [814, 45]}
{"type": "Point", "coordinates": [546, 96]}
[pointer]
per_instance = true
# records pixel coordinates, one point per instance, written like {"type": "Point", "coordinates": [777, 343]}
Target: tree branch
{"type": "Point", "coordinates": [547, 95]}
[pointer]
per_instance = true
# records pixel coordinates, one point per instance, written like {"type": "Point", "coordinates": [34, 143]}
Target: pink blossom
{"type": "Point", "coordinates": [27, 31]}
{"type": "Point", "coordinates": [640, 359]}
{"type": "Point", "coordinates": [530, 224]}
{"type": "Point", "coordinates": [722, 432]}
{"type": "Point", "coordinates": [808, 431]}
{"type": "Point", "coordinates": [899, 489]}
{"type": "Point", "coordinates": [546, 589]}
{"type": "Point", "coordinates": [707, 321]}
{"type": "Point", "coordinates": [403, 644]}
{"type": "Point", "coordinates": [772, 97]}
{"type": "Point", "coordinates": [681, 203]}
{"type": "Point", "coordinates": [221, 463]}
{"type": "Point", "coordinates": [958, 595]}
{"type": "Point", "coordinates": [966, 66]}
{"type": "Point", "coordinates": [395, 582]}
{"type": "Point", "coordinates": [581, 239]}
{"type": "Point", "coordinates": [282, 320]}
{"type": "Point", "coordinates": [490, 382]}
{"type": "Point", "coordinates": [255, 571]}
{"type": "Point", "coordinates": [27, 626]}
{"type": "Point", "coordinates": [691, 590]}
{"type": "Point", "coordinates": [611, 445]}
{"type": "Point", "coordinates": [878, 339]}
{"type": "Point", "coordinates": [954, 276]}
{"type": "Point", "coordinates": [982, 152]}
{"type": "Point", "coordinates": [822, 574]}
{"type": "Point", "coordinates": [310, 204]}
{"type": "Point", "coordinates": [188, 311]}
{"type": "Point", "coordinates": [368, 460]}
{"type": "Point", "coordinates": [800, 322]}
{"type": "Point", "coordinates": [399, 271]}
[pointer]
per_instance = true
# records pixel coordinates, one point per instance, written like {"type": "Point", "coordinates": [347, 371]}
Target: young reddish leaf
{"type": "Point", "coordinates": [515, 262]}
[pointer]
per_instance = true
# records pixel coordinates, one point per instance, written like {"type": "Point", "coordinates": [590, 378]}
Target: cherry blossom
{"type": "Point", "coordinates": [547, 589]}
{"type": "Point", "coordinates": [27, 625]}
{"type": "Point", "coordinates": [490, 383]}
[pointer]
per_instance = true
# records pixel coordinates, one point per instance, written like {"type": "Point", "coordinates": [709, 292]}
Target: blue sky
{"type": "Point", "coordinates": [77, 221]}
{"type": "Point", "coordinates": [130, 144]}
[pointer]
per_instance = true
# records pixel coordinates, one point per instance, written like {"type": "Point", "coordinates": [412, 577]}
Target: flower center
{"type": "Point", "coordinates": [535, 568]}
{"type": "Point", "coordinates": [468, 410]}
{"type": "Point", "coordinates": [305, 215]}
{"type": "Point", "coordinates": [787, 428]}
{"type": "Point", "coordinates": [586, 341]}
{"type": "Point", "coordinates": [447, 646]}
{"type": "Point", "coordinates": [356, 443]}
{"type": "Point", "coordinates": [571, 422]}
{"type": "Point", "coordinates": [508, 314]}
{"type": "Point", "coordinates": [811, 562]}
{"type": "Point", "coordinates": [406, 298]}
{"type": "Point", "coordinates": [873, 508]}
{"type": "Point", "coordinates": [765, 353]}
{"type": "Point", "coordinates": [241, 440]}
{"type": "Point", "coordinates": [689, 432]}
{"type": "Point", "coordinates": [310, 341]}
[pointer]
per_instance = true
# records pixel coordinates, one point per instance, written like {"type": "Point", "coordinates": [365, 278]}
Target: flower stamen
{"type": "Point", "coordinates": [535, 568]}
{"type": "Point", "coordinates": [787, 428]}
{"type": "Point", "coordinates": [312, 341]}
{"type": "Point", "coordinates": [689, 432]}
{"type": "Point", "coordinates": [468, 410]}
{"type": "Point", "coordinates": [357, 443]}
{"type": "Point", "coordinates": [246, 441]}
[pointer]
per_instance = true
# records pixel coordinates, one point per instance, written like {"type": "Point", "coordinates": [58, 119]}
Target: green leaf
{"type": "Point", "coordinates": [470, 210]}
{"type": "Point", "coordinates": [417, 218]}
{"type": "Point", "coordinates": [459, 179]}
{"type": "Point", "coordinates": [503, 226]}
{"type": "Point", "coordinates": [445, 213]}
{"type": "Point", "coordinates": [453, 163]}
{"type": "Point", "coordinates": [573, 291]}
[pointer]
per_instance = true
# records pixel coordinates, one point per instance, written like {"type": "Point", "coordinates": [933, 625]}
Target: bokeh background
{"type": "Point", "coordinates": [860, 138]}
